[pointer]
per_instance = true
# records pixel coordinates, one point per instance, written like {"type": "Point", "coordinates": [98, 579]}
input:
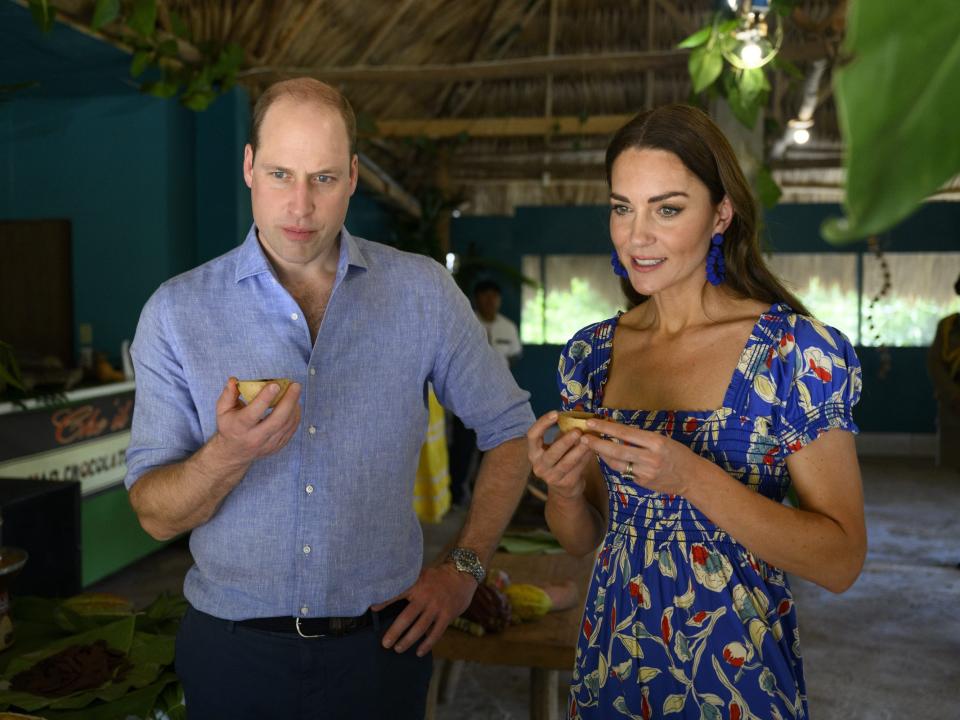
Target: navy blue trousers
{"type": "Point", "coordinates": [230, 672]}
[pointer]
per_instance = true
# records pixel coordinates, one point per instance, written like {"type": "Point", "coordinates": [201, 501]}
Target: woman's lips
{"type": "Point", "coordinates": [645, 265]}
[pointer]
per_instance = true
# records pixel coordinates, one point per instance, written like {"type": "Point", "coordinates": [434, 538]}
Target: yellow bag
{"type": "Point", "coordinates": [431, 491]}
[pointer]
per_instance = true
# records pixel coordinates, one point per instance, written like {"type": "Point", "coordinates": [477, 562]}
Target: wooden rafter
{"type": "Point", "coordinates": [537, 66]}
{"type": "Point", "coordinates": [501, 127]}
{"type": "Point", "coordinates": [486, 70]}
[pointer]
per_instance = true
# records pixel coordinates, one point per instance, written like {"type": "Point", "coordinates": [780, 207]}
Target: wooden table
{"type": "Point", "coordinates": [546, 646]}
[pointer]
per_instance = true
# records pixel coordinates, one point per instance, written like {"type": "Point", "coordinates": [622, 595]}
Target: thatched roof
{"type": "Point", "coordinates": [517, 97]}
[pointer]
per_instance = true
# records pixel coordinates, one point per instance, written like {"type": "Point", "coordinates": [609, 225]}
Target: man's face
{"type": "Point", "coordinates": [488, 304]}
{"type": "Point", "coordinates": [300, 181]}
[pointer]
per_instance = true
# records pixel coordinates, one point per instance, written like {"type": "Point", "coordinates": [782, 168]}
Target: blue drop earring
{"type": "Point", "coordinates": [618, 267]}
{"type": "Point", "coordinates": [716, 269]}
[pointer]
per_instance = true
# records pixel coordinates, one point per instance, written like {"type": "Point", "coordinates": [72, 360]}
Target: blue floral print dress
{"type": "Point", "coordinates": [681, 620]}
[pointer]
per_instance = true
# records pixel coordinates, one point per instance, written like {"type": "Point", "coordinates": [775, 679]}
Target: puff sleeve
{"type": "Point", "coordinates": [577, 370]}
{"type": "Point", "coordinates": [818, 381]}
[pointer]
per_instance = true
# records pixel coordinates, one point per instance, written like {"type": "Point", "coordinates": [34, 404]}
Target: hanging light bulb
{"type": "Point", "coordinates": [800, 131]}
{"type": "Point", "coordinates": [751, 54]}
{"type": "Point", "coordinates": [755, 40]}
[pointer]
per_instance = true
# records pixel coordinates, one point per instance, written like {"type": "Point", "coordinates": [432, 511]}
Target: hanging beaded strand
{"type": "Point", "coordinates": [716, 269]}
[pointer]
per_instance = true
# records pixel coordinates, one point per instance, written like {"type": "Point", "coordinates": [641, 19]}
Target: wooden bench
{"type": "Point", "coordinates": [546, 646]}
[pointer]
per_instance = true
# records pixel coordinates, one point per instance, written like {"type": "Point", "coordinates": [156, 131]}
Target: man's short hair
{"type": "Point", "coordinates": [304, 89]}
{"type": "Point", "coordinates": [486, 286]}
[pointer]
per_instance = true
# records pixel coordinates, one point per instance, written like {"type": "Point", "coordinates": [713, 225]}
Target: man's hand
{"type": "Point", "coordinates": [440, 594]}
{"type": "Point", "coordinates": [245, 433]}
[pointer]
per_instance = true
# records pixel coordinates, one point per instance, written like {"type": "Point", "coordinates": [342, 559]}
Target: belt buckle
{"type": "Point", "coordinates": [300, 632]}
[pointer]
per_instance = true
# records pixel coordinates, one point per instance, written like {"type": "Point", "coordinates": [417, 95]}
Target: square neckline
{"type": "Point", "coordinates": [733, 386]}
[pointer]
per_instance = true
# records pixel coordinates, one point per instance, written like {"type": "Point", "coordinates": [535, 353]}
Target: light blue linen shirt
{"type": "Point", "coordinates": [325, 526]}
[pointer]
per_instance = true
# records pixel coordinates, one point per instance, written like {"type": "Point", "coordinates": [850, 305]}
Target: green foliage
{"type": "Point", "coordinates": [143, 18]}
{"type": "Point", "coordinates": [898, 104]}
{"type": "Point", "coordinates": [198, 83]}
{"type": "Point", "coordinates": [105, 11]}
{"type": "Point", "coordinates": [905, 321]}
{"type": "Point", "coordinates": [148, 688]}
{"type": "Point", "coordinates": [767, 189]}
{"type": "Point", "coordinates": [553, 320]}
{"type": "Point", "coordinates": [43, 14]}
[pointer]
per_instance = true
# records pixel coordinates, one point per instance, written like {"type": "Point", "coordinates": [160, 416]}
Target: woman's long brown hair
{"type": "Point", "coordinates": [693, 137]}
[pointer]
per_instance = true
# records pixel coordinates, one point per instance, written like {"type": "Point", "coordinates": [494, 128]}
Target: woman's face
{"type": "Point", "coordinates": [661, 221]}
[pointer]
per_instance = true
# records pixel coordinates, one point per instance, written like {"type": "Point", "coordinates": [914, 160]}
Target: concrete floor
{"type": "Point", "coordinates": [887, 648]}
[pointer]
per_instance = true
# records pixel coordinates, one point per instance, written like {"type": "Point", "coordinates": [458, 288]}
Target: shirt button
{"type": "Point", "coordinates": [306, 549]}
{"type": "Point", "coordinates": [304, 610]}
{"type": "Point", "coordinates": [294, 316]}
{"type": "Point", "coordinates": [313, 371]}
{"type": "Point", "coordinates": [312, 430]}
{"type": "Point", "coordinates": [309, 489]}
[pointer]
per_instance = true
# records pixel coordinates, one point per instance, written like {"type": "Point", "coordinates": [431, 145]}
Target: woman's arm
{"type": "Point", "coordinates": [824, 541]}
{"type": "Point", "coordinates": [579, 523]}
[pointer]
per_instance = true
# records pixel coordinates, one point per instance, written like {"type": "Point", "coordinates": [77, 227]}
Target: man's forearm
{"type": "Point", "coordinates": [500, 484]}
{"type": "Point", "coordinates": [175, 498]}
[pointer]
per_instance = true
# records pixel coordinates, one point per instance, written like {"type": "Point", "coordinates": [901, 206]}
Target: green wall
{"type": "Point", "coordinates": [900, 402]}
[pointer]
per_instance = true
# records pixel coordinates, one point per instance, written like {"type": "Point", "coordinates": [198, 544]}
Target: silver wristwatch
{"type": "Point", "coordinates": [466, 560]}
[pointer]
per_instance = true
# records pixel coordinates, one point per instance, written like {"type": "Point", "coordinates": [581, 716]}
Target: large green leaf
{"type": "Point", "coordinates": [143, 17]}
{"type": "Point", "coordinates": [138, 703]}
{"type": "Point", "coordinates": [105, 11]}
{"type": "Point", "coordinates": [118, 635]}
{"type": "Point", "coordinates": [898, 101]}
{"type": "Point", "coordinates": [705, 65]}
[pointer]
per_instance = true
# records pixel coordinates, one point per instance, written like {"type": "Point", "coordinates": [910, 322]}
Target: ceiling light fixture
{"type": "Point", "coordinates": [756, 38]}
{"type": "Point", "coordinates": [800, 131]}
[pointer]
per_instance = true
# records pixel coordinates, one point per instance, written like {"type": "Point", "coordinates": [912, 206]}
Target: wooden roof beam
{"type": "Point", "coordinates": [487, 69]}
{"type": "Point", "coordinates": [501, 127]}
{"type": "Point", "coordinates": [537, 66]}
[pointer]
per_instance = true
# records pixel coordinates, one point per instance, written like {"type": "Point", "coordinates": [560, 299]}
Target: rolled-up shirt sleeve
{"type": "Point", "coordinates": [469, 376]}
{"type": "Point", "coordinates": [166, 427]}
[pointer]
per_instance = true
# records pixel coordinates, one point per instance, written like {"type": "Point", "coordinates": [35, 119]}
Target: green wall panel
{"type": "Point", "coordinates": [110, 537]}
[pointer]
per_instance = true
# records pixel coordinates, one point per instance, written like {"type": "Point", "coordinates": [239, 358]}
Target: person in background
{"type": "Point", "coordinates": [943, 364]}
{"type": "Point", "coordinates": [501, 331]}
{"type": "Point", "coordinates": [309, 594]}
{"type": "Point", "coordinates": [713, 394]}
{"type": "Point", "coordinates": [503, 336]}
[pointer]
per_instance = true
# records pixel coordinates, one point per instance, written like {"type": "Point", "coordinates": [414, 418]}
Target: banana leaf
{"type": "Point", "coordinates": [118, 635]}
{"type": "Point", "coordinates": [898, 101]}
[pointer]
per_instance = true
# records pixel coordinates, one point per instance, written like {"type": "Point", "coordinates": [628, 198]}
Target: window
{"type": "Point", "coordinates": [921, 293]}
{"type": "Point", "coordinates": [826, 283]}
{"type": "Point", "coordinates": [575, 290]}
{"type": "Point", "coordinates": [836, 287]}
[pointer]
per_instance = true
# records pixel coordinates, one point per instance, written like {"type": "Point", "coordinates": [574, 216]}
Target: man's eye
{"type": "Point", "coordinates": [324, 178]}
{"type": "Point", "coordinates": [279, 174]}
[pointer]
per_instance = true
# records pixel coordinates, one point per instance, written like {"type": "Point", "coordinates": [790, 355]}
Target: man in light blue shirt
{"type": "Point", "coordinates": [308, 591]}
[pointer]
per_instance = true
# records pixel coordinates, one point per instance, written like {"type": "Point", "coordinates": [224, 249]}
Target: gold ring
{"type": "Point", "coordinates": [629, 471]}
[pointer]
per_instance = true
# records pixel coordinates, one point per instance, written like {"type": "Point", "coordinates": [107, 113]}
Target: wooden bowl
{"type": "Point", "coordinates": [249, 389]}
{"type": "Point", "coordinates": [577, 419]}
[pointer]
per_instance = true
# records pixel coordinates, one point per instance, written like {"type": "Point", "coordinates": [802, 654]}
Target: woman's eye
{"type": "Point", "coordinates": [620, 209]}
{"type": "Point", "coordinates": [669, 210]}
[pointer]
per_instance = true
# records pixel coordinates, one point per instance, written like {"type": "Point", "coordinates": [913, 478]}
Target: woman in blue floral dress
{"type": "Point", "coordinates": [714, 393]}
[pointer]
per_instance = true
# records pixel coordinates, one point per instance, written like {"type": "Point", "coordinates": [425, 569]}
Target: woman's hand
{"type": "Point", "coordinates": [655, 461]}
{"type": "Point", "coordinates": [560, 465]}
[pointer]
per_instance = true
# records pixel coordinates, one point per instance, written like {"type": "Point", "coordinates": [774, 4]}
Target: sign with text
{"type": "Point", "coordinates": [86, 441]}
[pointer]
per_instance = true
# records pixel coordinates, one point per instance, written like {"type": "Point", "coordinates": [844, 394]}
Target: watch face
{"type": "Point", "coordinates": [467, 561]}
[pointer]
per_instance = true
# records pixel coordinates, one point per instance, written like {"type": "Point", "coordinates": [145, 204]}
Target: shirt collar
{"type": "Point", "coordinates": [253, 261]}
